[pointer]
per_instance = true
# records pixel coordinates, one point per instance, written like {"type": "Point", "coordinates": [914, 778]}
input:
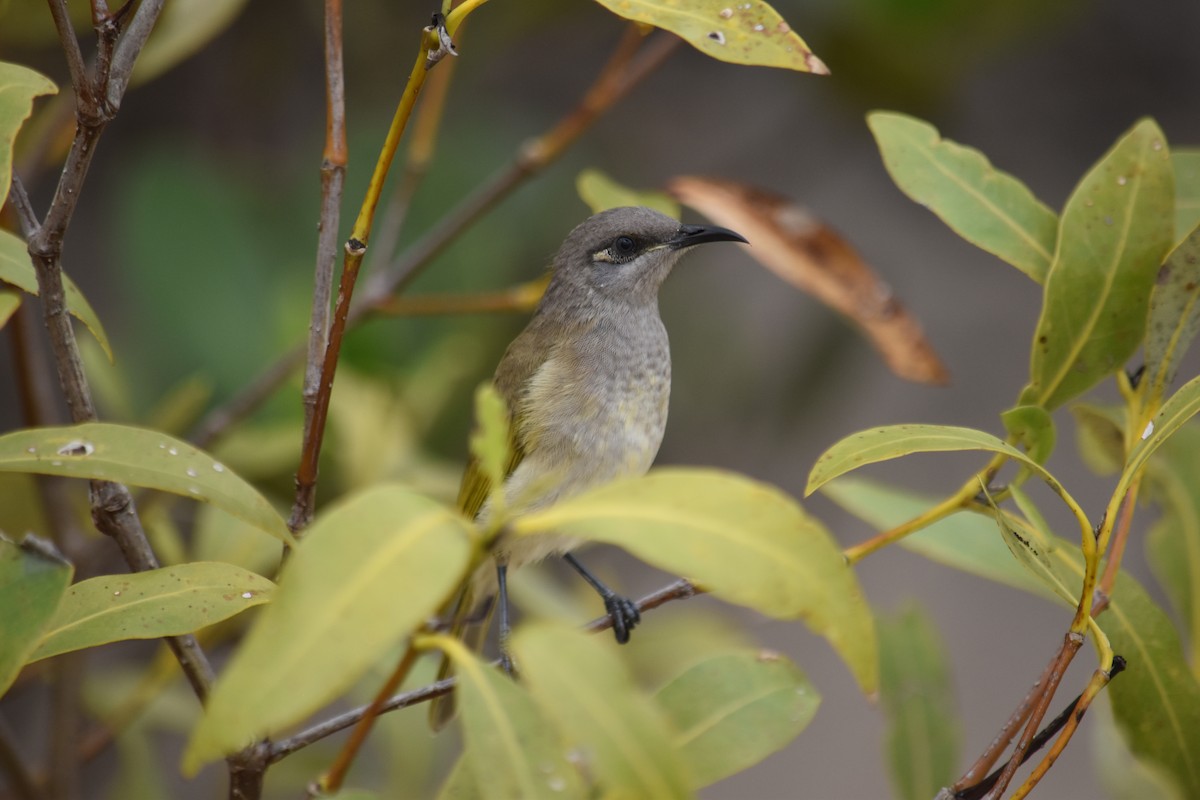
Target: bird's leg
{"type": "Point", "coordinates": [621, 610]}
{"type": "Point", "coordinates": [505, 628]}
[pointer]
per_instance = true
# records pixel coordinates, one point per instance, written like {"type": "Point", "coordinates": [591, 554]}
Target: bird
{"type": "Point", "coordinates": [586, 385]}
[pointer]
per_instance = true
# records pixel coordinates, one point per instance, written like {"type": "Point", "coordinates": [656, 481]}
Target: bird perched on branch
{"type": "Point", "coordinates": [586, 385]}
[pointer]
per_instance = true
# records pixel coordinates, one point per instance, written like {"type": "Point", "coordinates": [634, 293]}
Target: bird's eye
{"type": "Point", "coordinates": [624, 246]}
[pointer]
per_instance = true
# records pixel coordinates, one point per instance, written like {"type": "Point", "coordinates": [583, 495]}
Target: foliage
{"type": "Point", "coordinates": [362, 585]}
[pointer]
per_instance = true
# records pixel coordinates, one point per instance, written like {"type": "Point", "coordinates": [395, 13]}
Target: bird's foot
{"type": "Point", "coordinates": [506, 664]}
{"type": "Point", "coordinates": [624, 615]}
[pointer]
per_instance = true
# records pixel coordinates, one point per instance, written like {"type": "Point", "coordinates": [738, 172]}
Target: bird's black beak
{"type": "Point", "coordinates": [699, 234]}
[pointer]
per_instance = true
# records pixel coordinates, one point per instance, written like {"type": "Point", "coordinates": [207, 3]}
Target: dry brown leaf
{"type": "Point", "coordinates": [810, 255]}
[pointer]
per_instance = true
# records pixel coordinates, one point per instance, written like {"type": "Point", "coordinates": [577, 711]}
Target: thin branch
{"type": "Point", "coordinates": [333, 179]}
{"type": "Point", "coordinates": [332, 780]}
{"type": "Point", "coordinates": [70, 46]}
{"type": "Point", "coordinates": [1070, 646]}
{"type": "Point", "coordinates": [679, 590]}
{"type": "Point", "coordinates": [127, 51]}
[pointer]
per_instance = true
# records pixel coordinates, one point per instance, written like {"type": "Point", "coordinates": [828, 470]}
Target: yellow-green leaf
{"type": "Point", "coordinates": [1187, 190]}
{"type": "Point", "coordinates": [740, 33]}
{"type": "Point", "coordinates": [138, 457]}
{"type": "Point", "coordinates": [601, 192]}
{"type": "Point", "coordinates": [1033, 428]}
{"type": "Point", "coordinates": [460, 783]}
{"type": "Point", "coordinates": [146, 605]}
{"type": "Point", "coordinates": [989, 208]}
{"type": "Point", "coordinates": [918, 699]}
{"type": "Point", "coordinates": [1114, 232]}
{"type": "Point", "coordinates": [490, 440]}
{"type": "Point", "coordinates": [17, 269]}
{"type": "Point", "coordinates": [1174, 316]}
{"type": "Point", "coordinates": [1030, 552]}
{"type": "Point", "coordinates": [589, 695]}
{"type": "Point", "coordinates": [893, 441]}
{"type": "Point", "coordinates": [32, 582]}
{"type": "Point", "coordinates": [514, 753]}
{"type": "Point", "coordinates": [18, 86]}
{"type": "Point", "coordinates": [368, 571]}
{"type": "Point", "coordinates": [732, 710]}
{"type": "Point", "coordinates": [744, 541]}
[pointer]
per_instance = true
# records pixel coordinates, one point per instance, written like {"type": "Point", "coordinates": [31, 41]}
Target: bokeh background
{"type": "Point", "coordinates": [195, 238]}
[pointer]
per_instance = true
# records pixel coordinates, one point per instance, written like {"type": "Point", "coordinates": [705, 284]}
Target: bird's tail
{"type": "Point", "coordinates": [470, 623]}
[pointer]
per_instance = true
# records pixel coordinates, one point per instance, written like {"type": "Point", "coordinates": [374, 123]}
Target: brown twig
{"type": "Point", "coordinates": [1099, 680]}
{"type": "Point", "coordinates": [1062, 659]}
{"type": "Point", "coordinates": [332, 780]}
{"type": "Point", "coordinates": [1116, 551]}
{"type": "Point", "coordinates": [333, 177]}
{"type": "Point", "coordinates": [679, 590]}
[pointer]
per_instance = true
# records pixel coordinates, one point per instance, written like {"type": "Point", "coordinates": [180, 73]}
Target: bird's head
{"type": "Point", "coordinates": [624, 254]}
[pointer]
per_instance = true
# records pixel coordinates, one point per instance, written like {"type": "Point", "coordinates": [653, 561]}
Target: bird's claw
{"type": "Point", "coordinates": [624, 615]}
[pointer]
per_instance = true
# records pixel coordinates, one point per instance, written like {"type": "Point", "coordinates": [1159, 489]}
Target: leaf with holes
{"type": "Point", "coordinates": [138, 457]}
{"type": "Point", "coordinates": [1113, 235]}
{"type": "Point", "coordinates": [740, 33]}
{"type": "Point", "coordinates": [147, 605]}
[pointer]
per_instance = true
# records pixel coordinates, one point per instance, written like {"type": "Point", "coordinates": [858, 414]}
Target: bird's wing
{"type": "Point", "coordinates": [522, 359]}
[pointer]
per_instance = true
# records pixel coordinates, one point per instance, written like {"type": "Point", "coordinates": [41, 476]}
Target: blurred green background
{"type": "Point", "coordinates": [195, 236]}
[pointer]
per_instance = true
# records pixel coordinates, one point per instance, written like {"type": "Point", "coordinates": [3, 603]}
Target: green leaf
{"type": "Point", "coordinates": [368, 571]}
{"type": "Point", "coordinates": [918, 700]}
{"type": "Point", "coordinates": [1174, 316]}
{"type": "Point", "coordinates": [1121, 775]}
{"type": "Point", "coordinates": [966, 542]}
{"type": "Point", "coordinates": [183, 28]}
{"type": "Point", "coordinates": [989, 208]}
{"type": "Point", "coordinates": [18, 86]}
{"type": "Point", "coordinates": [587, 692]}
{"type": "Point", "coordinates": [1113, 235]}
{"type": "Point", "coordinates": [514, 753]}
{"type": "Point", "coordinates": [744, 541]}
{"type": "Point", "coordinates": [1100, 435]}
{"type": "Point", "coordinates": [17, 269]}
{"type": "Point", "coordinates": [1033, 428]}
{"type": "Point", "coordinates": [732, 710]}
{"type": "Point", "coordinates": [893, 441]}
{"type": "Point", "coordinates": [601, 192]}
{"type": "Point", "coordinates": [10, 301]}
{"type": "Point", "coordinates": [138, 457]}
{"type": "Point", "coordinates": [1173, 544]}
{"type": "Point", "coordinates": [1187, 190]}
{"type": "Point", "coordinates": [33, 579]}
{"type": "Point", "coordinates": [1156, 700]}
{"type": "Point", "coordinates": [146, 605]}
{"type": "Point", "coordinates": [739, 33]}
